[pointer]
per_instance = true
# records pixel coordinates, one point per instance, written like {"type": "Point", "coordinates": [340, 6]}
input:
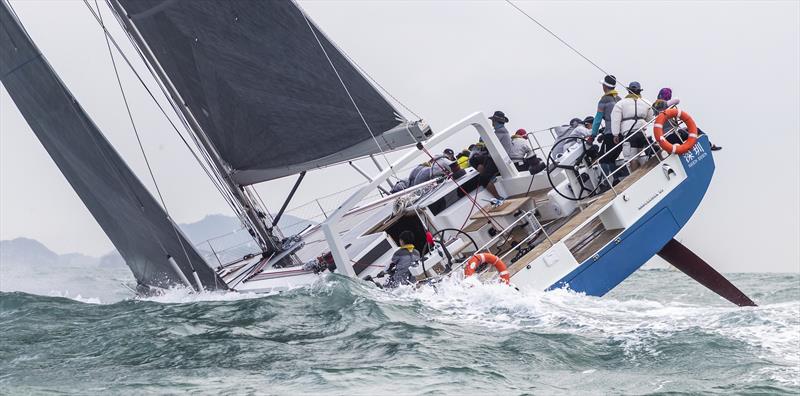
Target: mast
{"type": "Point", "coordinates": [261, 233]}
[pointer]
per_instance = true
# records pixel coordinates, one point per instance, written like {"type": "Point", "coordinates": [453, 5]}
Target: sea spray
{"type": "Point", "coordinates": [658, 332]}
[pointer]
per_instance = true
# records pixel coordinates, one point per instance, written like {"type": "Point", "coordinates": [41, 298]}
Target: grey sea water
{"type": "Point", "coordinates": [658, 333]}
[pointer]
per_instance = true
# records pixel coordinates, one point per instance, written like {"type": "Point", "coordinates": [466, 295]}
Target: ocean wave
{"type": "Point", "coordinates": [659, 334]}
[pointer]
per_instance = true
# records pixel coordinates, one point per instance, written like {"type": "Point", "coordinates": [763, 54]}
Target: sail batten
{"type": "Point", "coordinates": [129, 215]}
{"type": "Point", "coordinates": [270, 91]}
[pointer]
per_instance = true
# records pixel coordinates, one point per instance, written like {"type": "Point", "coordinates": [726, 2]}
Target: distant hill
{"type": "Point", "coordinates": [228, 239]}
{"type": "Point", "coordinates": [29, 266]}
{"type": "Point", "coordinates": [26, 250]}
{"type": "Point", "coordinates": [32, 252]}
{"type": "Point", "coordinates": [210, 226]}
{"type": "Point", "coordinates": [226, 231]}
{"type": "Point", "coordinates": [213, 226]}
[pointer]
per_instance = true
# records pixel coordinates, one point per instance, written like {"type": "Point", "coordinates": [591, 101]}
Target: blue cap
{"type": "Point", "coordinates": [634, 86]}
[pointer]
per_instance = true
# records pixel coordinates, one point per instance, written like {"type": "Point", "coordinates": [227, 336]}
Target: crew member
{"type": "Point", "coordinates": [522, 154]}
{"type": "Point", "coordinates": [402, 259]}
{"type": "Point", "coordinates": [628, 119]}
{"type": "Point", "coordinates": [449, 154]}
{"type": "Point", "coordinates": [604, 108]}
{"type": "Point", "coordinates": [585, 129]}
{"type": "Point", "coordinates": [483, 162]}
{"type": "Point", "coordinates": [415, 172]}
{"type": "Point", "coordinates": [463, 158]}
{"type": "Point", "coordinates": [499, 121]}
{"type": "Point", "coordinates": [480, 159]}
{"type": "Point", "coordinates": [433, 169]}
{"type": "Point", "coordinates": [665, 101]}
{"type": "Point", "coordinates": [563, 132]}
{"type": "Point", "coordinates": [582, 131]}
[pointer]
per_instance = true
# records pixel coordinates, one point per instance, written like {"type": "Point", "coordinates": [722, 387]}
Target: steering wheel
{"type": "Point", "coordinates": [585, 192]}
{"type": "Point", "coordinates": [446, 235]}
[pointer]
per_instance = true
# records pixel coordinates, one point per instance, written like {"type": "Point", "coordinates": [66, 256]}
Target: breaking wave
{"type": "Point", "coordinates": [658, 332]}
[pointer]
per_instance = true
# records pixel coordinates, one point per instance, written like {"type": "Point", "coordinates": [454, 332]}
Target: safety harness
{"type": "Point", "coordinates": [635, 117]}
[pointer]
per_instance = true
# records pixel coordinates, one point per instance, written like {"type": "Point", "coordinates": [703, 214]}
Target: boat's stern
{"type": "Point", "coordinates": [619, 232]}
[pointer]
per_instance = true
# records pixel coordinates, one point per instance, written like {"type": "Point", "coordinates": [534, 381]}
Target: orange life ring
{"type": "Point", "coordinates": [480, 258]}
{"type": "Point", "coordinates": [658, 131]}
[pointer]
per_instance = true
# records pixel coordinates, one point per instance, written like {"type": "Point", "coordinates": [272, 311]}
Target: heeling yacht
{"type": "Point", "coordinates": [244, 77]}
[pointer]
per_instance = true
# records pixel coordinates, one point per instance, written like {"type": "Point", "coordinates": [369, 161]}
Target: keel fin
{"type": "Point", "coordinates": [691, 264]}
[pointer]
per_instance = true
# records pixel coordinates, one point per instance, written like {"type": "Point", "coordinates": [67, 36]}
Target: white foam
{"type": "Point", "coordinates": [773, 331]}
{"type": "Point", "coordinates": [76, 297]}
{"type": "Point", "coordinates": [185, 295]}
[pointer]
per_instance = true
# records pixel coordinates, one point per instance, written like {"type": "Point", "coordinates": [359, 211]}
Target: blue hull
{"type": "Point", "coordinates": [645, 238]}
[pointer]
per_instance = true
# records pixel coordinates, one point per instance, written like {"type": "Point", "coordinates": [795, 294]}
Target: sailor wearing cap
{"type": "Point", "coordinates": [563, 132]}
{"type": "Point", "coordinates": [628, 119]}
{"type": "Point", "coordinates": [606, 104]}
{"type": "Point", "coordinates": [450, 154]}
{"type": "Point", "coordinates": [520, 148]}
{"type": "Point", "coordinates": [522, 154]}
{"type": "Point", "coordinates": [604, 107]}
{"type": "Point", "coordinates": [499, 121]}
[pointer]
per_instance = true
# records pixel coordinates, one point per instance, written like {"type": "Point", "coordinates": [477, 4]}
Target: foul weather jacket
{"type": "Point", "coordinates": [504, 137]}
{"type": "Point", "coordinates": [604, 108]}
{"type": "Point", "coordinates": [629, 115]}
{"type": "Point", "coordinates": [520, 148]}
{"type": "Point", "coordinates": [403, 259]}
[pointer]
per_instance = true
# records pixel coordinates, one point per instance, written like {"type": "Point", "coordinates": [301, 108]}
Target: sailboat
{"type": "Point", "coordinates": [244, 76]}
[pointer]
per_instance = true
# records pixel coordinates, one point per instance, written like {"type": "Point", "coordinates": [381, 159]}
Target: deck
{"type": "Point", "coordinates": [590, 239]}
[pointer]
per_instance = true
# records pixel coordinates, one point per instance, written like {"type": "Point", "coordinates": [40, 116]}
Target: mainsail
{"type": "Point", "coordinates": [273, 95]}
{"type": "Point", "coordinates": [151, 244]}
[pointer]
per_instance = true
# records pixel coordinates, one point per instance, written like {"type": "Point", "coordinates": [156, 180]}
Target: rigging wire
{"type": "Point", "coordinates": [139, 140]}
{"type": "Point", "coordinates": [449, 176]}
{"type": "Point", "coordinates": [557, 37]}
{"type": "Point", "coordinates": [123, 181]}
{"type": "Point", "coordinates": [266, 210]}
{"type": "Point", "coordinates": [238, 207]}
{"type": "Point", "coordinates": [209, 169]}
{"type": "Point", "coordinates": [226, 197]}
{"type": "Point", "coordinates": [130, 115]}
{"type": "Point", "coordinates": [360, 114]}
{"type": "Point", "coordinates": [374, 81]}
{"type": "Point", "coordinates": [364, 72]}
{"type": "Point", "coordinates": [222, 191]}
{"type": "Point", "coordinates": [152, 96]}
{"type": "Point", "coordinates": [568, 45]}
{"type": "Point", "coordinates": [218, 179]}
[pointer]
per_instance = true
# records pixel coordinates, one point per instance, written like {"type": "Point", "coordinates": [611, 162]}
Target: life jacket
{"type": "Point", "coordinates": [639, 140]}
{"type": "Point", "coordinates": [463, 161]}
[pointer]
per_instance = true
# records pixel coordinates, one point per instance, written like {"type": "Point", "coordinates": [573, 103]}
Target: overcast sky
{"type": "Point", "coordinates": [734, 65]}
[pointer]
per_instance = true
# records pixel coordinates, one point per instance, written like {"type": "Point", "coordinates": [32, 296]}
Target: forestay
{"type": "Point", "coordinates": [270, 91]}
{"type": "Point", "coordinates": [133, 220]}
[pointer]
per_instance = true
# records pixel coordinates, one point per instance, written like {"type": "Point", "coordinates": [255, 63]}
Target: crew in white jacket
{"type": "Point", "coordinates": [520, 148]}
{"type": "Point", "coordinates": [629, 115]}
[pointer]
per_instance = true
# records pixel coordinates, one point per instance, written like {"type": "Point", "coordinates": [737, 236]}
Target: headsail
{"type": "Point", "coordinates": [129, 215]}
{"type": "Point", "coordinates": [271, 93]}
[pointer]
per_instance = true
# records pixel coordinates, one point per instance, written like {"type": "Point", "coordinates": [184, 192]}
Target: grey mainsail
{"type": "Point", "coordinates": [255, 76]}
{"type": "Point", "coordinates": [130, 216]}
